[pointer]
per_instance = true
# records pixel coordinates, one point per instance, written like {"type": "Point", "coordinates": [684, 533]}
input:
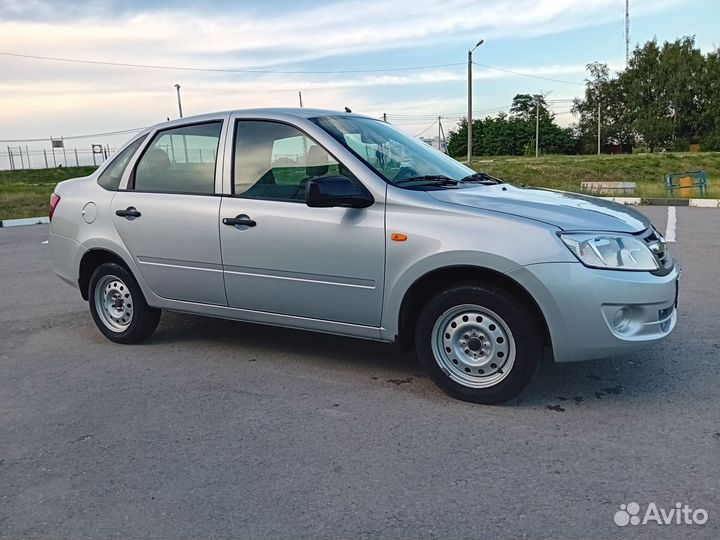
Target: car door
{"type": "Point", "coordinates": [285, 257]}
{"type": "Point", "coordinates": [168, 215]}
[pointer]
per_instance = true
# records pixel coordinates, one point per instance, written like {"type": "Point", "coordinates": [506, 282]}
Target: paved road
{"type": "Point", "coordinates": [221, 429]}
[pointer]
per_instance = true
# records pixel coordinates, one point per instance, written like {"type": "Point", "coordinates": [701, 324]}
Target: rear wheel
{"type": "Point", "coordinates": [118, 306]}
{"type": "Point", "coordinates": [479, 343]}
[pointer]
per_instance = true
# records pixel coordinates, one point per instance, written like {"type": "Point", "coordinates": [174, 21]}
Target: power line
{"type": "Point", "coordinates": [427, 128]}
{"type": "Point", "coordinates": [448, 115]}
{"type": "Point", "coordinates": [528, 75]}
{"type": "Point", "coordinates": [272, 71]}
{"type": "Point", "coordinates": [45, 139]}
{"type": "Point", "coordinates": [219, 70]}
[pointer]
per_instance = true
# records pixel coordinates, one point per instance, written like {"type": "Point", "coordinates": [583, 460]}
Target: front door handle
{"type": "Point", "coordinates": [129, 212]}
{"type": "Point", "coordinates": [242, 220]}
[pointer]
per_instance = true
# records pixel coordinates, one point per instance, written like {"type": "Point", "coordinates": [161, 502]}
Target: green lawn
{"type": "Point", "coordinates": [566, 172]}
{"type": "Point", "coordinates": [26, 193]}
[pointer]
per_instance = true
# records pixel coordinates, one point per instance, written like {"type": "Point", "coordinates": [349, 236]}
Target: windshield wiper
{"type": "Point", "coordinates": [482, 178]}
{"type": "Point", "coordinates": [431, 179]}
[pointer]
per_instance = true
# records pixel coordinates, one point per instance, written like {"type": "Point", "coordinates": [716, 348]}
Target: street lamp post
{"type": "Point", "coordinates": [469, 118]}
{"type": "Point", "coordinates": [177, 87]}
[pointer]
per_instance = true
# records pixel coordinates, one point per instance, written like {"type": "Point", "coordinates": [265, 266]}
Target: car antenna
{"type": "Point", "coordinates": [347, 109]}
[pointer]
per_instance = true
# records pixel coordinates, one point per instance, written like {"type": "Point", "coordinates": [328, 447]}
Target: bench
{"type": "Point", "coordinates": [608, 188]}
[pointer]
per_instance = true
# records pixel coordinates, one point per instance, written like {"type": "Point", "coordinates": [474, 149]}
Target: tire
{"type": "Point", "coordinates": [118, 305]}
{"type": "Point", "coordinates": [479, 343]}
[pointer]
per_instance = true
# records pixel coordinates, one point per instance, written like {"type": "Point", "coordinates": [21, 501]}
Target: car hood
{"type": "Point", "coordinates": [568, 211]}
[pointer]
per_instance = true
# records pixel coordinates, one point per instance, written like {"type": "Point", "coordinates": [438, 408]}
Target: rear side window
{"type": "Point", "coordinates": [111, 176]}
{"type": "Point", "coordinates": [180, 160]}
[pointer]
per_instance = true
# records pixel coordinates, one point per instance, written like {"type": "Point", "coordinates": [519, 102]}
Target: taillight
{"type": "Point", "coordinates": [54, 200]}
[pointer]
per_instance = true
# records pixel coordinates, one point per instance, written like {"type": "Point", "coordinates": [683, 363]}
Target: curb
{"type": "Point", "coordinates": [697, 203]}
{"type": "Point", "coordinates": [623, 200]}
{"type": "Point", "coordinates": [24, 221]}
{"type": "Point", "coordinates": [705, 203]}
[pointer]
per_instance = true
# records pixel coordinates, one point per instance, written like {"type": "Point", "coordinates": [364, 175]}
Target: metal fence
{"type": "Point", "coordinates": [17, 157]}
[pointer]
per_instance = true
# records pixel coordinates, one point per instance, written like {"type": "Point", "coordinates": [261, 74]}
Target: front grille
{"type": "Point", "coordinates": [657, 245]}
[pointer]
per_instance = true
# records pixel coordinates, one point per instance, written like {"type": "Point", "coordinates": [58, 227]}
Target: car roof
{"type": "Point", "coordinates": [273, 112]}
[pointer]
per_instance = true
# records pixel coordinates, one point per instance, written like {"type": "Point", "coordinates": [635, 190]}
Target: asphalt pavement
{"type": "Point", "coordinates": [219, 429]}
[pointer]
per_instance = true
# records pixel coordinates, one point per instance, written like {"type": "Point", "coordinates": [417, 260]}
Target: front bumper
{"type": "Point", "coordinates": [600, 313]}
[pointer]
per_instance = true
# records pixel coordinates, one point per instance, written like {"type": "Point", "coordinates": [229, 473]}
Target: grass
{"type": "Point", "coordinates": [566, 172]}
{"type": "Point", "coordinates": [27, 193]}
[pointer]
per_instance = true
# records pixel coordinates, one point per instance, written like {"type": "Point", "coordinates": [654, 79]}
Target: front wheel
{"type": "Point", "coordinates": [479, 343]}
{"type": "Point", "coordinates": [118, 306]}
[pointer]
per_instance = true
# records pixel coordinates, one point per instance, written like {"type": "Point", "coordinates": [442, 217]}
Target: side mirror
{"type": "Point", "coordinates": [330, 191]}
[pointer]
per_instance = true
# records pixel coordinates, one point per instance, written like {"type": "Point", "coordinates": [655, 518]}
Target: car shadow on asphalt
{"type": "Point", "coordinates": [265, 341]}
{"type": "Point", "coordinates": [556, 387]}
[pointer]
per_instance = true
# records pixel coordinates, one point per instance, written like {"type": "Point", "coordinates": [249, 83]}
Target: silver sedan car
{"type": "Point", "coordinates": [339, 223]}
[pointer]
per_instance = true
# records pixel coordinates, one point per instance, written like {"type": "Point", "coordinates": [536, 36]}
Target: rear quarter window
{"type": "Point", "coordinates": [113, 173]}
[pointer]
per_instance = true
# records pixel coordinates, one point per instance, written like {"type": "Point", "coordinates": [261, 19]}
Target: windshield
{"type": "Point", "coordinates": [394, 155]}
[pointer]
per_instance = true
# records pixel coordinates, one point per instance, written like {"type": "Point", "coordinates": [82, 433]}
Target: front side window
{"type": "Point", "coordinates": [276, 161]}
{"type": "Point", "coordinates": [395, 156]}
{"type": "Point", "coordinates": [113, 173]}
{"type": "Point", "coordinates": [180, 160]}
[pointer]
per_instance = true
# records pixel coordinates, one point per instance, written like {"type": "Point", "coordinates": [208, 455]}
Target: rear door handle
{"type": "Point", "coordinates": [129, 212]}
{"type": "Point", "coordinates": [241, 220]}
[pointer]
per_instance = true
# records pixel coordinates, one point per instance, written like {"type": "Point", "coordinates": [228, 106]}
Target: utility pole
{"type": "Point", "coordinates": [444, 139]}
{"type": "Point", "coordinates": [300, 96]}
{"type": "Point", "coordinates": [439, 133]}
{"type": "Point", "coordinates": [537, 125]}
{"type": "Point", "coordinates": [469, 118]}
{"type": "Point", "coordinates": [598, 126]}
{"type": "Point", "coordinates": [177, 87]}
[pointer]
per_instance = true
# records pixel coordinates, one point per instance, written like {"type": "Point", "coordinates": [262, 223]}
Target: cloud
{"type": "Point", "coordinates": [40, 97]}
{"type": "Point", "coordinates": [347, 27]}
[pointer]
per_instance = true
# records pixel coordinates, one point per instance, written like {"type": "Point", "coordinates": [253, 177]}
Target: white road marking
{"type": "Point", "coordinates": [45, 242]}
{"type": "Point", "coordinates": [671, 225]}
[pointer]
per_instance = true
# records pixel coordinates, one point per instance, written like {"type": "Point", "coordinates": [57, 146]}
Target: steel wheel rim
{"type": "Point", "coordinates": [114, 303]}
{"type": "Point", "coordinates": [473, 346]}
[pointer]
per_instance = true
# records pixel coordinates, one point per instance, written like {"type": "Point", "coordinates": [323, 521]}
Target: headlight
{"type": "Point", "coordinates": [615, 251]}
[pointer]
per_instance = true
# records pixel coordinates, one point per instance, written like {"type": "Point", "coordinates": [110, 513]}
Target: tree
{"type": "Point", "coordinates": [524, 107]}
{"type": "Point", "coordinates": [457, 139]}
{"type": "Point", "coordinates": [660, 100]}
{"type": "Point", "coordinates": [600, 95]}
{"type": "Point", "coordinates": [513, 134]}
{"type": "Point", "coordinates": [710, 117]}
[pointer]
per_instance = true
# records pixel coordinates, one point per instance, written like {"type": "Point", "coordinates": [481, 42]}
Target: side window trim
{"type": "Point", "coordinates": [300, 130]}
{"type": "Point", "coordinates": [153, 134]}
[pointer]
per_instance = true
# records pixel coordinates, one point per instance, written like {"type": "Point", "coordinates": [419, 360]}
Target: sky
{"type": "Point", "coordinates": [405, 59]}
